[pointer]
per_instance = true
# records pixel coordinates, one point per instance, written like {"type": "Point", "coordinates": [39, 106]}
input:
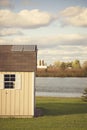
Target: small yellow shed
{"type": "Point", "coordinates": [17, 80]}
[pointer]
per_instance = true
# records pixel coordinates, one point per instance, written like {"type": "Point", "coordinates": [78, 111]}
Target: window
{"type": "Point", "coordinates": [9, 81]}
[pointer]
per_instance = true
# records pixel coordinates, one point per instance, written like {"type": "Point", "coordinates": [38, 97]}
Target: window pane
{"type": "Point", "coordinates": [11, 83]}
{"type": "Point", "coordinates": [6, 79]}
{"type": "Point", "coordinates": [13, 75]}
{"type": "Point", "coordinates": [8, 85]}
{"type": "Point", "coordinates": [12, 79]}
{"type": "Point", "coordinates": [11, 86]}
{"type": "Point", "coordinates": [6, 75]}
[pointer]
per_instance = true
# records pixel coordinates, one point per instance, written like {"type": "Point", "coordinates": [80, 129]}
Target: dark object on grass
{"type": "Point", "coordinates": [84, 97]}
{"type": "Point", "coordinates": [38, 112]}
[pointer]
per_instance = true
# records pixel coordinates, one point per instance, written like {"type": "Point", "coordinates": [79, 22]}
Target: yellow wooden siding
{"type": "Point", "coordinates": [22, 94]}
{"type": "Point", "coordinates": [3, 102]}
{"type": "Point", "coordinates": [7, 103]}
{"type": "Point", "coordinates": [12, 100]}
{"type": "Point", "coordinates": [0, 104]}
{"type": "Point", "coordinates": [18, 102]}
{"type": "Point", "coordinates": [31, 93]}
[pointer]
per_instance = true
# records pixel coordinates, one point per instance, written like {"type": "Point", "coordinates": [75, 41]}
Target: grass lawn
{"type": "Point", "coordinates": [59, 114]}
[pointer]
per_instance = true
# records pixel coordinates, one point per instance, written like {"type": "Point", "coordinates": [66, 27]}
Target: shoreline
{"type": "Point", "coordinates": [62, 95]}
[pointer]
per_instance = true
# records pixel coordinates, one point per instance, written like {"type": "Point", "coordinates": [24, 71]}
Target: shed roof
{"type": "Point", "coordinates": [18, 58]}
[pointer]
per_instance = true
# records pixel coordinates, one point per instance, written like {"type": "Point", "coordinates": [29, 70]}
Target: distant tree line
{"type": "Point", "coordinates": [64, 69]}
{"type": "Point", "coordinates": [67, 65]}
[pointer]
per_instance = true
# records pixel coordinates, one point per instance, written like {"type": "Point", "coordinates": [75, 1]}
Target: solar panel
{"type": "Point", "coordinates": [23, 48]}
{"type": "Point", "coordinates": [17, 48]}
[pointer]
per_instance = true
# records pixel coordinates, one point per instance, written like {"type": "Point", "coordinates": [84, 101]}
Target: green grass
{"type": "Point", "coordinates": [59, 114]}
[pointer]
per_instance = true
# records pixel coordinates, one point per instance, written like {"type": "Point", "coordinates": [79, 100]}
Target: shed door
{"type": "Point", "coordinates": [9, 83]}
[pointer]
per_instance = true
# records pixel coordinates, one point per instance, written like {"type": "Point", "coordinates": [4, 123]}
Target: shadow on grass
{"type": "Point", "coordinates": [55, 109]}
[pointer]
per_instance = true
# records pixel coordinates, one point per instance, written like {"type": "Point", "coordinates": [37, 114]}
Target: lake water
{"type": "Point", "coordinates": [60, 87]}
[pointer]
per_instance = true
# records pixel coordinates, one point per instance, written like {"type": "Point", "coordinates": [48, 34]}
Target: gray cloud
{"type": "Point", "coordinates": [10, 32]}
{"type": "Point", "coordinates": [53, 41]}
{"type": "Point", "coordinates": [51, 49]}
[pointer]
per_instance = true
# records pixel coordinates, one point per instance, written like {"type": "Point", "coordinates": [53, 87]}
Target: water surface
{"type": "Point", "coordinates": [60, 87]}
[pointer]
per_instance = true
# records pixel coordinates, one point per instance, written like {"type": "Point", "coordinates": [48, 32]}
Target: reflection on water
{"type": "Point", "coordinates": [60, 87]}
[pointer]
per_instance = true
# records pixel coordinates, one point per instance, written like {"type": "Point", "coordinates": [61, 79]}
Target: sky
{"type": "Point", "coordinates": [57, 27]}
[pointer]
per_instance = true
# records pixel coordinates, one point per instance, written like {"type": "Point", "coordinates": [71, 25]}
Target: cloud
{"type": "Point", "coordinates": [63, 53]}
{"type": "Point", "coordinates": [5, 3]}
{"type": "Point", "coordinates": [62, 39]}
{"type": "Point", "coordinates": [51, 41]}
{"type": "Point", "coordinates": [63, 47]}
{"type": "Point", "coordinates": [10, 32]}
{"type": "Point", "coordinates": [25, 18]}
{"type": "Point", "coordinates": [76, 16]}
